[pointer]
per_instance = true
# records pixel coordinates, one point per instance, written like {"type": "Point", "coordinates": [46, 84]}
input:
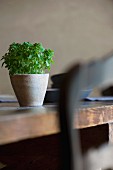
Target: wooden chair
{"type": "Point", "coordinates": [82, 76]}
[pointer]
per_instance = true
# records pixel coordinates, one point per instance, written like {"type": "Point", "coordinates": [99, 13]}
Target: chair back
{"type": "Point", "coordinates": [78, 77]}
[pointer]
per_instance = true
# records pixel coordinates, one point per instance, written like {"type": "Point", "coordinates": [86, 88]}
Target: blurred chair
{"type": "Point", "coordinates": [79, 77]}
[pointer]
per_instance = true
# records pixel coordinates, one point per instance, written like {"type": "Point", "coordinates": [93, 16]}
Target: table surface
{"type": "Point", "coordinates": [17, 123]}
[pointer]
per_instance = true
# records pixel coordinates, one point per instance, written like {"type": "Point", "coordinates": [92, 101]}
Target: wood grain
{"type": "Point", "coordinates": [98, 115]}
{"type": "Point", "coordinates": [18, 123]}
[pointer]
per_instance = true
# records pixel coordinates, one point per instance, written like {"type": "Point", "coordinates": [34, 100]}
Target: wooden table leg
{"type": "Point", "coordinates": [110, 132]}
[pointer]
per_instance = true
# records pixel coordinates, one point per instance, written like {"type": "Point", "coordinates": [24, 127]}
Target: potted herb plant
{"type": "Point", "coordinates": [27, 64]}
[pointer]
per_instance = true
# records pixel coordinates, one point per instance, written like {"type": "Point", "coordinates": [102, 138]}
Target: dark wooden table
{"type": "Point", "coordinates": [18, 123]}
{"type": "Point", "coordinates": [29, 137]}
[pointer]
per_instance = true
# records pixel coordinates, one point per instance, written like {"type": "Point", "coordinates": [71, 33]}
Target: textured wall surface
{"type": "Point", "coordinates": [74, 29]}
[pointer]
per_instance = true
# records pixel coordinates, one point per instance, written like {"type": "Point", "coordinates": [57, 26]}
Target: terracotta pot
{"type": "Point", "coordinates": [30, 89]}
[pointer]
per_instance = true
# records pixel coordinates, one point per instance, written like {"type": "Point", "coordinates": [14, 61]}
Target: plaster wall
{"type": "Point", "coordinates": [74, 29]}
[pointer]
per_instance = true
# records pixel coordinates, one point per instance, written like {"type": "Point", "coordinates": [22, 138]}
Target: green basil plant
{"type": "Point", "coordinates": [27, 58]}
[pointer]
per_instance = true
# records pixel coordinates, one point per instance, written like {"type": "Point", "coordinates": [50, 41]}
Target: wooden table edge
{"type": "Point", "coordinates": [24, 126]}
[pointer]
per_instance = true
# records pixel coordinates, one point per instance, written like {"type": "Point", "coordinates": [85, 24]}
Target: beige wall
{"type": "Point", "coordinates": [74, 29]}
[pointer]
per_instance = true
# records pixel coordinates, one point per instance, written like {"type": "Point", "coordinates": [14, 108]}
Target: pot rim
{"type": "Point", "coordinates": [28, 74]}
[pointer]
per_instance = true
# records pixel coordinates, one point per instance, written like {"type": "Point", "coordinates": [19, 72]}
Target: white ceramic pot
{"type": "Point", "coordinates": [30, 89]}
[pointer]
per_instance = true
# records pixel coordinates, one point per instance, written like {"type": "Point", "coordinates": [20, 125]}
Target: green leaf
{"type": "Point", "coordinates": [27, 58]}
{"type": "Point", "coordinates": [30, 56]}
